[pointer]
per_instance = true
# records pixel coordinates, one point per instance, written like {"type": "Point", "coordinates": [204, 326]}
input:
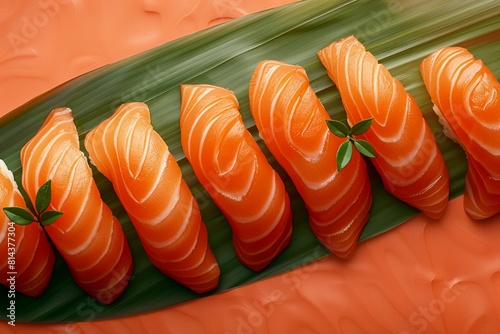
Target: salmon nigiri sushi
{"type": "Point", "coordinates": [149, 184]}
{"type": "Point", "coordinates": [291, 121]}
{"type": "Point", "coordinates": [88, 236]}
{"type": "Point", "coordinates": [408, 159]}
{"type": "Point", "coordinates": [32, 257]}
{"type": "Point", "coordinates": [230, 165]}
{"type": "Point", "coordinates": [466, 98]}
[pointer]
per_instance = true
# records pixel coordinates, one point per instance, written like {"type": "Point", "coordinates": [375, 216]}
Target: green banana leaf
{"type": "Point", "coordinates": [400, 33]}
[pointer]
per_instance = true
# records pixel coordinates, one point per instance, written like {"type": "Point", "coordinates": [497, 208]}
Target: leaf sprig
{"type": "Point", "coordinates": [37, 213]}
{"type": "Point", "coordinates": [344, 152]}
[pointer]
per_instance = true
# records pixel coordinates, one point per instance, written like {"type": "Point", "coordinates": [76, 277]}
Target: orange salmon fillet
{"type": "Point", "coordinates": [149, 183]}
{"type": "Point", "coordinates": [466, 97]}
{"type": "Point", "coordinates": [292, 122]}
{"type": "Point", "coordinates": [408, 159]}
{"type": "Point", "coordinates": [232, 168]}
{"type": "Point", "coordinates": [88, 236]}
{"type": "Point", "coordinates": [34, 257]}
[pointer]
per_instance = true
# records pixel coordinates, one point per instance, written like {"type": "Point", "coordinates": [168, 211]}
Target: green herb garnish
{"type": "Point", "coordinates": [37, 213]}
{"type": "Point", "coordinates": [344, 152]}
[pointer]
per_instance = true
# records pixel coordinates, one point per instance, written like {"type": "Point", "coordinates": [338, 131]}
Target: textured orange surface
{"type": "Point", "coordinates": [47, 42]}
{"type": "Point", "coordinates": [422, 277]}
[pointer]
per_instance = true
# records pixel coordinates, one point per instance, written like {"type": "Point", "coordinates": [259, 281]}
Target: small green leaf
{"type": "Point", "coordinates": [43, 197]}
{"type": "Point", "coordinates": [337, 128]}
{"type": "Point", "coordinates": [48, 217]}
{"type": "Point", "coordinates": [27, 200]}
{"type": "Point", "coordinates": [364, 148]}
{"type": "Point", "coordinates": [361, 127]}
{"type": "Point", "coordinates": [344, 155]}
{"type": "Point", "coordinates": [18, 215]}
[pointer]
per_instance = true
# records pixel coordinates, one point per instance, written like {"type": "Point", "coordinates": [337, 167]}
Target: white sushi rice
{"type": "Point", "coordinates": [447, 130]}
{"type": "Point", "coordinates": [7, 172]}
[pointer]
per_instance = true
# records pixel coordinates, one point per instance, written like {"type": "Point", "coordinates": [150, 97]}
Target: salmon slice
{"type": "Point", "coordinates": [292, 122]}
{"type": "Point", "coordinates": [232, 168]}
{"type": "Point", "coordinates": [148, 181]}
{"type": "Point", "coordinates": [408, 159]}
{"type": "Point", "coordinates": [88, 236]}
{"type": "Point", "coordinates": [466, 97]}
{"type": "Point", "coordinates": [32, 263]}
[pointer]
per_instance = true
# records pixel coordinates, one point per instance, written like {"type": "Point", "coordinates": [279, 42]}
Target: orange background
{"type": "Point", "coordinates": [424, 276]}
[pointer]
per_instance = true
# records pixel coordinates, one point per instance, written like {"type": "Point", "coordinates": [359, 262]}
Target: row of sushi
{"type": "Point", "coordinates": [230, 165]}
